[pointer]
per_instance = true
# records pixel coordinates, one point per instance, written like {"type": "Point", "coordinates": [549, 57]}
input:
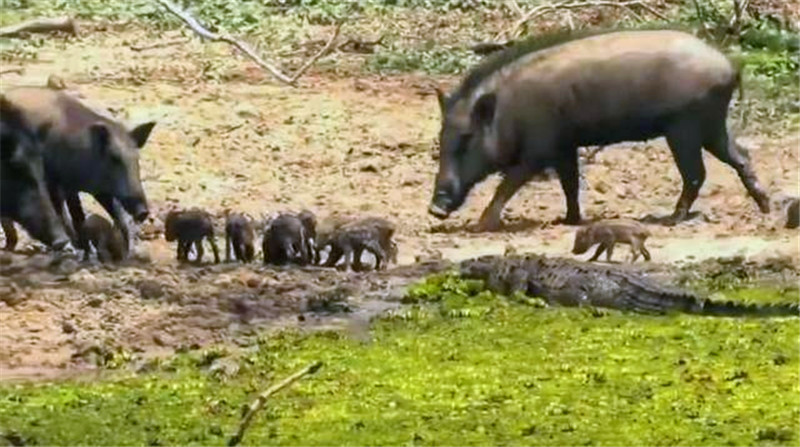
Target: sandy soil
{"type": "Point", "coordinates": [361, 146]}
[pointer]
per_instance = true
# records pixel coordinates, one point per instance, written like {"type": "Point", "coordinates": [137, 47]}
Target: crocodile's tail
{"type": "Point", "coordinates": [735, 309]}
{"type": "Point", "coordinates": [647, 300]}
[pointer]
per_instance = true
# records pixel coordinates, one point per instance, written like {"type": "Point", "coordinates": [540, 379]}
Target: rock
{"type": "Point", "coordinates": [67, 327]}
{"type": "Point", "coordinates": [96, 301]}
{"type": "Point", "coordinates": [150, 289]}
{"type": "Point", "coordinates": [224, 368]}
{"type": "Point", "coordinates": [82, 276]}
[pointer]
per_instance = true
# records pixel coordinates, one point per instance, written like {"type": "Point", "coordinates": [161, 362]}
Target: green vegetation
{"type": "Point", "coordinates": [457, 366]}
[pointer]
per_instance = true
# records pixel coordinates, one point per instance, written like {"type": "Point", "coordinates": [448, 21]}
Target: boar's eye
{"type": "Point", "coordinates": [463, 143]}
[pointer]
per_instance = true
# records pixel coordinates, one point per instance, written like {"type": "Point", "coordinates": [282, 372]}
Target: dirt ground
{"type": "Point", "coordinates": [354, 145]}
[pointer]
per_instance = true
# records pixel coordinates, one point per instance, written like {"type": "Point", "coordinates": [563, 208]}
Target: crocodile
{"type": "Point", "coordinates": [566, 282]}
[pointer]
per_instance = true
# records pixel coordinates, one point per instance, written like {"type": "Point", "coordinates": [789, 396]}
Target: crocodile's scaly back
{"type": "Point", "coordinates": [571, 283]}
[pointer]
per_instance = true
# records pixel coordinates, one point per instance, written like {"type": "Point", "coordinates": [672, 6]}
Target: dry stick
{"type": "Point", "coordinates": [261, 400]}
{"type": "Point", "coordinates": [319, 54]}
{"type": "Point", "coordinates": [166, 43]}
{"type": "Point", "coordinates": [515, 7]}
{"type": "Point", "coordinates": [63, 24]}
{"type": "Point", "coordinates": [243, 47]}
{"type": "Point", "coordinates": [550, 7]}
{"type": "Point", "coordinates": [17, 70]}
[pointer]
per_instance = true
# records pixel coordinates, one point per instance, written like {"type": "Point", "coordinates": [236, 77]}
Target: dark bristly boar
{"type": "Point", "coordinates": [190, 227]}
{"type": "Point", "coordinates": [608, 233]}
{"type": "Point", "coordinates": [239, 237]}
{"type": "Point", "coordinates": [23, 193]}
{"type": "Point", "coordinates": [530, 107]}
{"type": "Point", "coordinates": [286, 241]}
{"type": "Point", "coordinates": [105, 238]}
{"type": "Point", "coordinates": [87, 151]}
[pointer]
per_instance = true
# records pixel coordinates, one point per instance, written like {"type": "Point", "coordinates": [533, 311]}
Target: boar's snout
{"type": "Point", "coordinates": [444, 202]}
{"type": "Point", "coordinates": [136, 207]}
{"type": "Point", "coordinates": [63, 245]}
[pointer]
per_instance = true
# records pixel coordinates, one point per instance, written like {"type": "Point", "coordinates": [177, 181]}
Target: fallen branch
{"type": "Point", "coordinates": [353, 45]}
{"type": "Point", "coordinates": [17, 70]}
{"type": "Point", "coordinates": [541, 10]}
{"type": "Point", "coordinates": [245, 48]}
{"type": "Point", "coordinates": [261, 400]}
{"type": "Point", "coordinates": [320, 53]}
{"type": "Point", "coordinates": [166, 43]}
{"type": "Point", "coordinates": [58, 24]}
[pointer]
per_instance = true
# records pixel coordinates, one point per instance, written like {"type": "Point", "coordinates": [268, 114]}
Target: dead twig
{"type": "Point", "coordinates": [514, 6]}
{"type": "Point", "coordinates": [57, 24]}
{"type": "Point", "coordinates": [320, 53]}
{"type": "Point", "coordinates": [192, 23]}
{"type": "Point", "coordinates": [353, 45]}
{"type": "Point", "coordinates": [17, 70]}
{"type": "Point", "coordinates": [166, 43]}
{"type": "Point", "coordinates": [261, 400]}
{"type": "Point", "coordinates": [546, 8]}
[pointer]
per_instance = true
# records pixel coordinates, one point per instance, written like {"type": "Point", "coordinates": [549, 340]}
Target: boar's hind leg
{"type": "Point", "coordinates": [10, 233]}
{"type": "Point", "coordinates": [512, 182]}
{"type": "Point", "coordinates": [685, 143]}
{"type": "Point", "coordinates": [569, 176]}
{"type": "Point", "coordinates": [722, 146]}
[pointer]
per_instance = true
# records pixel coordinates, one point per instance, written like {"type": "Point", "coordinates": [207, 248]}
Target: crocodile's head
{"type": "Point", "coordinates": [479, 268]}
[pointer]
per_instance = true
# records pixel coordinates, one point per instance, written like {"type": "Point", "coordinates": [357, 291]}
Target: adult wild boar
{"type": "Point", "coordinates": [531, 106]}
{"type": "Point", "coordinates": [23, 195]}
{"type": "Point", "coordinates": [86, 151]}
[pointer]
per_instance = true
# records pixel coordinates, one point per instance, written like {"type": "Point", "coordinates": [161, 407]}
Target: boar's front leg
{"type": "Point", "coordinates": [214, 248]}
{"type": "Point", "coordinates": [513, 179]}
{"type": "Point", "coordinates": [228, 245]}
{"type": "Point", "coordinates": [114, 209]}
{"type": "Point", "coordinates": [569, 176]}
{"type": "Point", "coordinates": [76, 214]}
{"type": "Point", "coordinates": [10, 232]}
{"type": "Point", "coordinates": [685, 143]}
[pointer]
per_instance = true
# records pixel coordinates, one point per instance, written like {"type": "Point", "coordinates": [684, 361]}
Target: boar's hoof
{"type": "Point", "coordinates": [488, 225]}
{"type": "Point", "coordinates": [437, 211]}
{"type": "Point", "coordinates": [570, 220]}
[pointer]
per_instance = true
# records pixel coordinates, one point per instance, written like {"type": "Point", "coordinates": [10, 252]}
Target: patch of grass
{"type": "Point", "coordinates": [459, 366]}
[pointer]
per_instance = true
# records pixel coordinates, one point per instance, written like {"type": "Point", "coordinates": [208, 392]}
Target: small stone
{"type": "Point", "coordinates": [150, 289]}
{"type": "Point", "coordinates": [68, 327]}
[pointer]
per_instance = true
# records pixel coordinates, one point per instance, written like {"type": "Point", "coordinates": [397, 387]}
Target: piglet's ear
{"type": "Point", "coordinates": [483, 110]}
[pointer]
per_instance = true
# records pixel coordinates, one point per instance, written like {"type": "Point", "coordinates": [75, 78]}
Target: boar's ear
{"type": "Point", "coordinates": [483, 110]}
{"type": "Point", "coordinates": [100, 137]}
{"type": "Point", "coordinates": [442, 97]}
{"type": "Point", "coordinates": [141, 132]}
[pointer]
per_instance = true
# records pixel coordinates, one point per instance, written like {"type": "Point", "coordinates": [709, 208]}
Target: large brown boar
{"type": "Point", "coordinates": [530, 107]}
